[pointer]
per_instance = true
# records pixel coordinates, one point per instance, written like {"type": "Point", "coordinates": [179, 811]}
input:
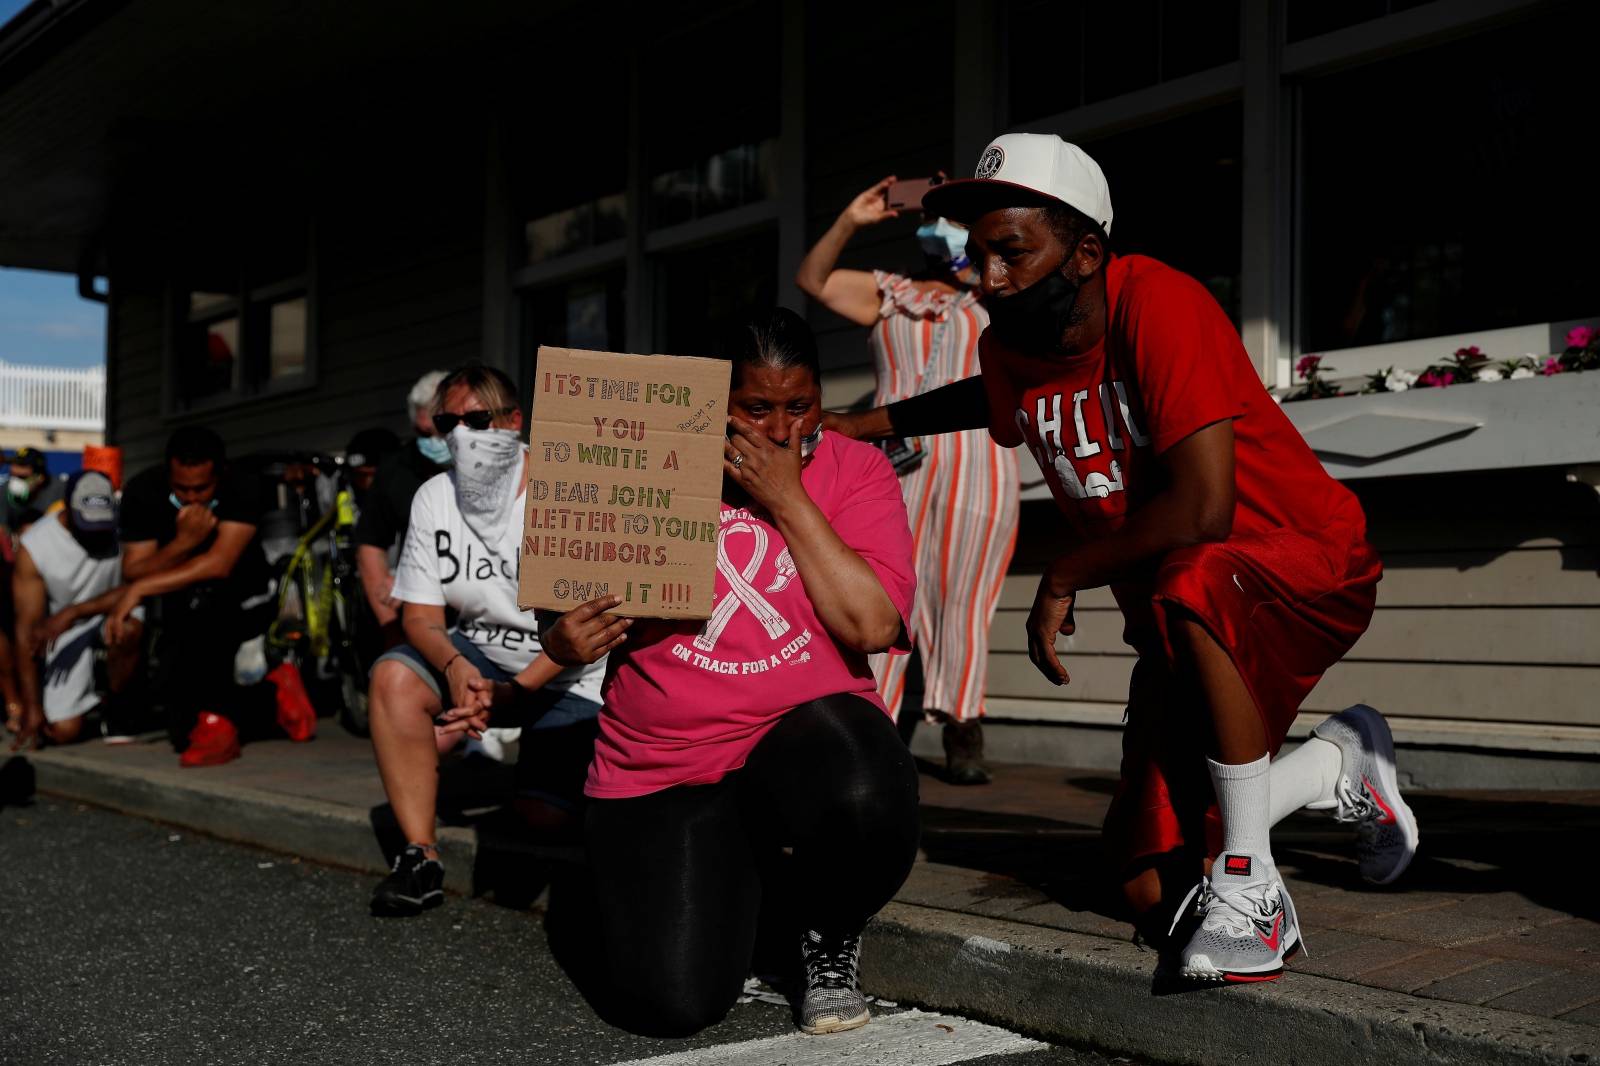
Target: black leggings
{"type": "Point", "coordinates": [678, 872]}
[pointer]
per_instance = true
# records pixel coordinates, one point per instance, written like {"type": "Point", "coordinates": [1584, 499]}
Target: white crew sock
{"type": "Point", "coordinates": [1306, 777]}
{"type": "Point", "coordinates": [1244, 796]}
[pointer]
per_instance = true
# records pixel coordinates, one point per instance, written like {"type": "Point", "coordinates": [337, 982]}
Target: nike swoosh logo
{"type": "Point", "coordinates": [1388, 813]}
{"type": "Point", "coordinates": [1277, 934]}
{"type": "Point", "coordinates": [1236, 582]}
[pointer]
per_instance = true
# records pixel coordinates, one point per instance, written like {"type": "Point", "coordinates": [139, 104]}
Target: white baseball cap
{"type": "Point", "coordinates": [1025, 170]}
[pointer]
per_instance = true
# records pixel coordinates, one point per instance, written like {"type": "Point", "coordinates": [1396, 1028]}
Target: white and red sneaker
{"type": "Point", "coordinates": [1247, 925]}
{"type": "Point", "coordinates": [1368, 793]}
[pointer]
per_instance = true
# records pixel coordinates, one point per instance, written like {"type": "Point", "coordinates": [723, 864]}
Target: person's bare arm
{"type": "Point", "coordinates": [847, 596]}
{"type": "Point", "coordinates": [426, 631]}
{"type": "Point", "coordinates": [474, 720]}
{"type": "Point", "coordinates": [852, 294]}
{"type": "Point", "coordinates": [142, 558]}
{"type": "Point", "coordinates": [1196, 507]}
{"type": "Point", "coordinates": [213, 564]}
{"type": "Point", "coordinates": [30, 601]}
{"type": "Point", "coordinates": [372, 562]}
{"type": "Point", "coordinates": [70, 615]}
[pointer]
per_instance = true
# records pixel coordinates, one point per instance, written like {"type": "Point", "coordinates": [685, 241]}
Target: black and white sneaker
{"type": "Point", "coordinates": [415, 884]}
{"type": "Point", "coordinates": [833, 1002]}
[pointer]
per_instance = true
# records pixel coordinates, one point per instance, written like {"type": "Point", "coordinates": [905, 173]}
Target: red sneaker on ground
{"type": "Point", "coordinates": [212, 742]}
{"type": "Point", "coordinates": [295, 714]}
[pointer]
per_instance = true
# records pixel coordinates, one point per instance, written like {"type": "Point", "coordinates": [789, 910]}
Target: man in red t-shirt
{"type": "Point", "coordinates": [1242, 569]}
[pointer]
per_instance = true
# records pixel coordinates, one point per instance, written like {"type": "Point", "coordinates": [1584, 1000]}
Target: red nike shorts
{"type": "Point", "coordinates": [1285, 606]}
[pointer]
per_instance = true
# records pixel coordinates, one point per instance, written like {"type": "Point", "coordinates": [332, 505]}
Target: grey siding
{"type": "Point", "coordinates": [390, 304]}
{"type": "Point", "coordinates": [1488, 611]}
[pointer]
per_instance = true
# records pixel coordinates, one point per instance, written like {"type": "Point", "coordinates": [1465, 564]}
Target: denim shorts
{"type": "Point", "coordinates": [543, 709]}
{"type": "Point", "coordinates": [558, 727]}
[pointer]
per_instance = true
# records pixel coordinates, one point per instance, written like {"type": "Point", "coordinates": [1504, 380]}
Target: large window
{"type": "Point", "coordinates": [710, 105]}
{"type": "Point", "coordinates": [571, 166]}
{"type": "Point", "coordinates": [587, 313]}
{"type": "Point", "coordinates": [243, 331]}
{"type": "Point", "coordinates": [1062, 54]}
{"type": "Point", "coordinates": [702, 292]}
{"type": "Point", "coordinates": [1451, 190]}
{"type": "Point", "coordinates": [1176, 192]}
{"type": "Point", "coordinates": [1309, 18]}
{"type": "Point", "coordinates": [649, 209]}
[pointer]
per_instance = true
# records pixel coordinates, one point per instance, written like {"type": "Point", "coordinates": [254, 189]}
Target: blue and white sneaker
{"type": "Point", "coordinates": [1247, 924]}
{"type": "Point", "coordinates": [1368, 793]}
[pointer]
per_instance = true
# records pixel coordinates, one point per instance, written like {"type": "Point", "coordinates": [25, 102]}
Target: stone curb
{"type": "Point", "coordinates": [1096, 992]}
{"type": "Point", "coordinates": [315, 830]}
{"type": "Point", "coordinates": [1067, 987]}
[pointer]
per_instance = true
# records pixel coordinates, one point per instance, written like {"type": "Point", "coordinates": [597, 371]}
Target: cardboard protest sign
{"type": "Point", "coordinates": [624, 482]}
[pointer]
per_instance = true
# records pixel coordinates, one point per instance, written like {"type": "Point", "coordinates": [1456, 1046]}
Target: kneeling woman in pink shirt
{"type": "Point", "coordinates": [761, 728]}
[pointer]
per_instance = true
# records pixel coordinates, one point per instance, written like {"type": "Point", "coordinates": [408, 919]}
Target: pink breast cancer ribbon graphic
{"type": "Point", "coordinates": [741, 592]}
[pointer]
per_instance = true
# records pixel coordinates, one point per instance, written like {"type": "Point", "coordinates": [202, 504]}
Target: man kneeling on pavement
{"type": "Point", "coordinates": [191, 554]}
{"type": "Point", "coordinates": [67, 576]}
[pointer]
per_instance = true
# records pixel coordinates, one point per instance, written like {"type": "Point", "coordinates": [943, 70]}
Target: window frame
{"type": "Point", "coordinates": [251, 366]}
{"type": "Point", "coordinates": [641, 250]}
{"type": "Point", "coordinates": [1267, 77]}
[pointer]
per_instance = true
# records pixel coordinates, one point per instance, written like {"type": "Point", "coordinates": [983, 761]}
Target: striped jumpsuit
{"type": "Point", "coordinates": [961, 499]}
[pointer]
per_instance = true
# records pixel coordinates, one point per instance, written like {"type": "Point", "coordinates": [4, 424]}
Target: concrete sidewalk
{"type": "Point", "coordinates": [1487, 951]}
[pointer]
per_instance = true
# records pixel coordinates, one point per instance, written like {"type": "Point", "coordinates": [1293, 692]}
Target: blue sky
{"type": "Point", "coordinates": [11, 7]}
{"type": "Point", "coordinates": [43, 320]}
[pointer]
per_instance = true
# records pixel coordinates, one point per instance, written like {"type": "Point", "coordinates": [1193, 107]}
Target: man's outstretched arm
{"type": "Point", "coordinates": [950, 409]}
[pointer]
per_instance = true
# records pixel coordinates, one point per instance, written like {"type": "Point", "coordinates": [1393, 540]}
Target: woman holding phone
{"type": "Point", "coordinates": [722, 742]}
{"type": "Point", "coordinates": [961, 489]}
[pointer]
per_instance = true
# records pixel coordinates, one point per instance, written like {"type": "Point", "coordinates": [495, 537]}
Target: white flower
{"type": "Point", "coordinates": [1522, 372]}
{"type": "Point", "coordinates": [1399, 380]}
{"type": "Point", "coordinates": [1490, 373]}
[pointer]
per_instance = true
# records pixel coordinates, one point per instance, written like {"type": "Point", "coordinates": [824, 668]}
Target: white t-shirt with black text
{"type": "Point", "coordinates": [445, 564]}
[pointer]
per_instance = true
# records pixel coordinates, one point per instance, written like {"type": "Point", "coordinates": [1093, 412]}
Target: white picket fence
{"type": "Point", "coordinates": [44, 397]}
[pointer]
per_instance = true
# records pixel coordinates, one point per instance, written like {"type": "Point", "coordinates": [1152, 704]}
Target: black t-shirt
{"type": "Point", "coordinates": [387, 511]}
{"type": "Point", "coordinates": [147, 513]}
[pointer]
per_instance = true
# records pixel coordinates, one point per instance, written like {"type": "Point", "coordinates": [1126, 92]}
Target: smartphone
{"type": "Point", "coordinates": [908, 194]}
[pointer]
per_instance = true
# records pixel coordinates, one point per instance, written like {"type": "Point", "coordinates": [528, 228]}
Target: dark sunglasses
{"type": "Point", "coordinates": [444, 422]}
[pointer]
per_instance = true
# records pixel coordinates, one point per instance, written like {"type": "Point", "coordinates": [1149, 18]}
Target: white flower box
{"type": "Point", "coordinates": [1490, 425]}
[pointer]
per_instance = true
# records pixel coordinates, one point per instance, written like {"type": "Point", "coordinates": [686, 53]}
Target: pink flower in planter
{"type": "Point", "coordinates": [1307, 365]}
{"type": "Point", "coordinates": [1581, 337]}
{"type": "Point", "coordinates": [1552, 365]}
{"type": "Point", "coordinates": [1433, 379]}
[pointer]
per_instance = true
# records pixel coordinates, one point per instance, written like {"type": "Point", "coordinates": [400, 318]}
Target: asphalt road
{"type": "Point", "coordinates": [131, 942]}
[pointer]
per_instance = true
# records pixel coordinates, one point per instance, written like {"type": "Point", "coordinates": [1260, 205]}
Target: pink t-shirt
{"type": "Point", "coordinates": [686, 701]}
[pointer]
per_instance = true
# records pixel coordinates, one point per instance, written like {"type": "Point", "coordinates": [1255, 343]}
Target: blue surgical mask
{"type": "Point", "coordinates": [808, 444]}
{"type": "Point", "coordinates": [211, 504]}
{"type": "Point", "coordinates": [945, 241]}
{"type": "Point", "coordinates": [434, 449]}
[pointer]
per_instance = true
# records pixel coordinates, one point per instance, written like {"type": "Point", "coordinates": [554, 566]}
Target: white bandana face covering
{"type": "Point", "coordinates": [488, 473]}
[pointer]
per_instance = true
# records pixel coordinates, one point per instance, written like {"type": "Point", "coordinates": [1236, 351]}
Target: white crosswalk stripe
{"type": "Point", "coordinates": [910, 1038]}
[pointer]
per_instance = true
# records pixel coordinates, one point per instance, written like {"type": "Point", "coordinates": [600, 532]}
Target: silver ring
{"type": "Point", "coordinates": [738, 460]}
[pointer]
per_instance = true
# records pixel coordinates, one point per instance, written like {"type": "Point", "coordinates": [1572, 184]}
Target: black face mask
{"type": "Point", "coordinates": [1032, 321]}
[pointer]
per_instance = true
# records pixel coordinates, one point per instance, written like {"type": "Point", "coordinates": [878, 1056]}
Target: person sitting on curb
{"type": "Point", "coordinates": [461, 554]}
{"type": "Point", "coordinates": [1242, 569]}
{"type": "Point", "coordinates": [190, 548]}
{"type": "Point", "coordinates": [68, 568]}
{"type": "Point", "coordinates": [704, 771]}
